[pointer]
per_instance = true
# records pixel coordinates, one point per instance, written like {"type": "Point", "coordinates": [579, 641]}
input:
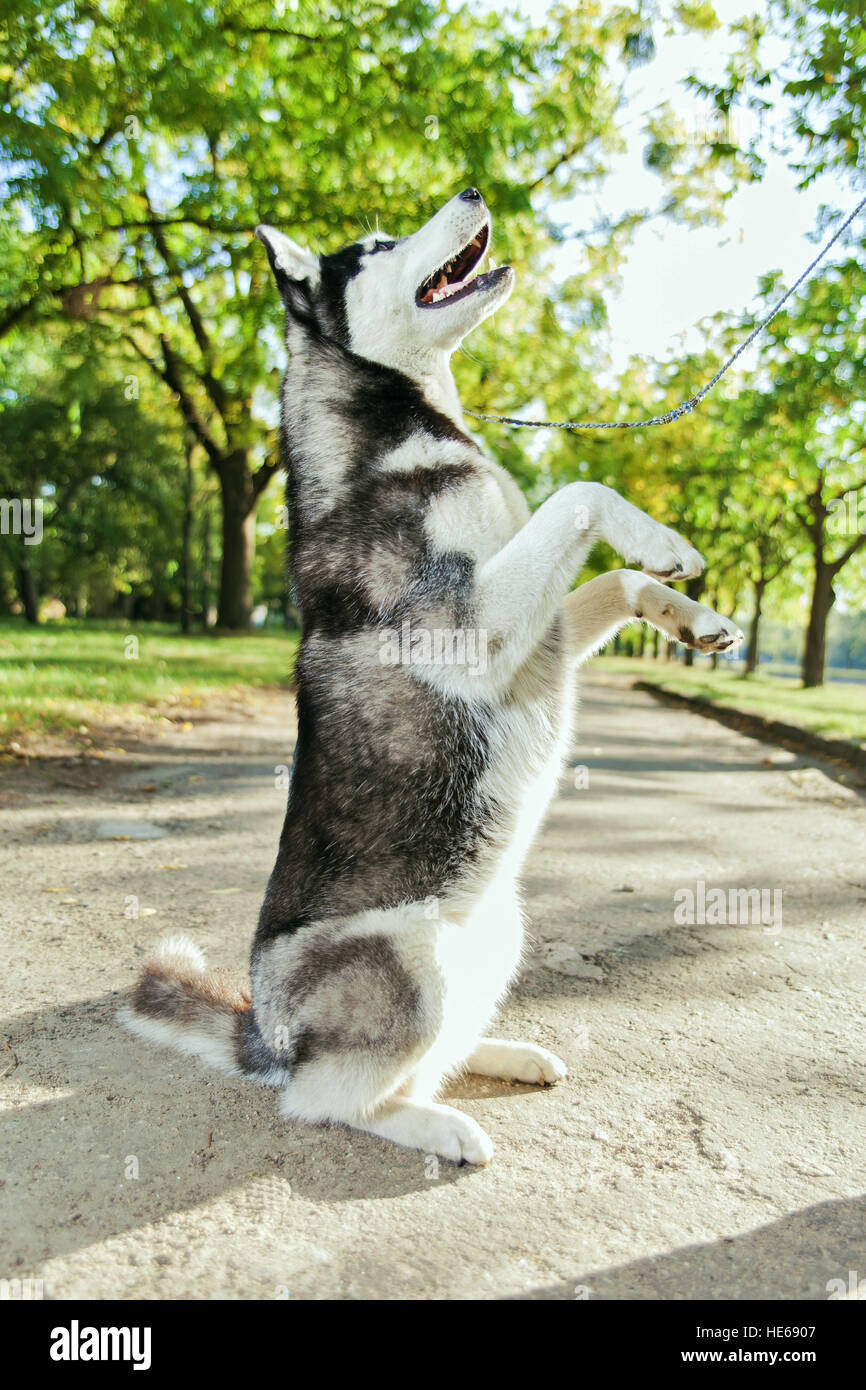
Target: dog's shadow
{"type": "Point", "coordinates": [122, 1133]}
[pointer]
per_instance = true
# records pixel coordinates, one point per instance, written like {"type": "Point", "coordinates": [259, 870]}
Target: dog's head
{"type": "Point", "coordinates": [395, 301]}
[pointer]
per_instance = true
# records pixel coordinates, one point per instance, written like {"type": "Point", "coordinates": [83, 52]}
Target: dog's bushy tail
{"type": "Point", "coordinates": [179, 1003]}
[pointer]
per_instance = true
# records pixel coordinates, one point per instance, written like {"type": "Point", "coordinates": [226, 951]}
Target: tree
{"type": "Point", "coordinates": [101, 472]}
{"type": "Point", "coordinates": [810, 106]}
{"type": "Point", "coordinates": [819, 384]}
{"type": "Point", "coordinates": [143, 144]}
{"type": "Point", "coordinates": [817, 86]}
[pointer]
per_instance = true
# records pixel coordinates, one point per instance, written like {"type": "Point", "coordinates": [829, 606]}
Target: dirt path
{"type": "Point", "coordinates": [709, 1141]}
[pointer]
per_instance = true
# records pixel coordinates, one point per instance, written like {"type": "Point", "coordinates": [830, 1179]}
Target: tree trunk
{"type": "Point", "coordinates": [694, 589]}
{"type": "Point", "coordinates": [28, 592]}
{"type": "Point", "coordinates": [823, 599]}
{"type": "Point", "coordinates": [239, 540]}
{"type": "Point", "coordinates": [185, 548]}
{"type": "Point", "coordinates": [753, 649]}
{"type": "Point", "coordinates": [205, 565]}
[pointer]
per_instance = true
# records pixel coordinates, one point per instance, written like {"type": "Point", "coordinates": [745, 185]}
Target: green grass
{"type": "Point", "coordinates": [71, 677]}
{"type": "Point", "coordinates": [834, 711]}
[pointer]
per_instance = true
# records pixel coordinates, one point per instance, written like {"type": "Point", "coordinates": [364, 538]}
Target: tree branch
{"type": "Point", "coordinates": [230, 26]}
{"type": "Point", "coordinates": [170, 374]}
{"type": "Point", "coordinates": [262, 477]}
{"type": "Point", "coordinates": [73, 293]}
{"type": "Point", "coordinates": [852, 487]}
{"type": "Point", "coordinates": [858, 542]}
{"type": "Point", "coordinates": [146, 224]}
{"type": "Point", "coordinates": [571, 153]}
{"type": "Point", "coordinates": [213, 387]}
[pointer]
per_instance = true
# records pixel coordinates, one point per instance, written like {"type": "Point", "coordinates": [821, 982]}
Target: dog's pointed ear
{"type": "Point", "coordinates": [292, 264]}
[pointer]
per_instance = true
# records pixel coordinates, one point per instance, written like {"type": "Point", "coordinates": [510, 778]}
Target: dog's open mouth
{"type": "Point", "coordinates": [456, 278]}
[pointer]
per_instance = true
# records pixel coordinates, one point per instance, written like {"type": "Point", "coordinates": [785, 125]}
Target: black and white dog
{"type": "Point", "coordinates": [435, 691]}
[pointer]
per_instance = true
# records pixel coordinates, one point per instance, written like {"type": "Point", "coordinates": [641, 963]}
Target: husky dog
{"type": "Point", "coordinates": [435, 688]}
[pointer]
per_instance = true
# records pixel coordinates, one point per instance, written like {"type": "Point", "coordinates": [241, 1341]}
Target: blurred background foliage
{"type": "Point", "coordinates": [140, 336]}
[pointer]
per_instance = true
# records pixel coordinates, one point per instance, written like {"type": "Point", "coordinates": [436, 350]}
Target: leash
{"type": "Point", "coordinates": [694, 401]}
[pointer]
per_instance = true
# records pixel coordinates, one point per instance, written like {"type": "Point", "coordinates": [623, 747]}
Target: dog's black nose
{"type": "Point", "coordinates": [470, 195]}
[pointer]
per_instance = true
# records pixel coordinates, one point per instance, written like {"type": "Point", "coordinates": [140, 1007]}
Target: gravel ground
{"type": "Point", "coordinates": [708, 1142]}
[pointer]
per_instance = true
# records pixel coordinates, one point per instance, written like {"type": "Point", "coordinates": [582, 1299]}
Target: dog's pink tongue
{"type": "Point", "coordinates": [451, 287]}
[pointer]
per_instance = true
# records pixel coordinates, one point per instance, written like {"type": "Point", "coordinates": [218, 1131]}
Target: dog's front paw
{"type": "Point", "coordinates": [697, 626]}
{"type": "Point", "coordinates": [537, 1066]}
{"type": "Point", "coordinates": [725, 636]}
{"type": "Point", "coordinates": [665, 555]}
{"type": "Point", "coordinates": [515, 1061]}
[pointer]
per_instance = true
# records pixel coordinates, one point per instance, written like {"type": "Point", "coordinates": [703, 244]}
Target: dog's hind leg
{"type": "Point", "coordinates": [597, 610]}
{"type": "Point", "coordinates": [357, 1005]}
{"type": "Point", "coordinates": [350, 1091]}
{"type": "Point", "coordinates": [516, 1061]}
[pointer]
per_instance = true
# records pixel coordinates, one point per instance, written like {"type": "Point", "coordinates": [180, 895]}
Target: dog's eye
{"type": "Point", "coordinates": [382, 246]}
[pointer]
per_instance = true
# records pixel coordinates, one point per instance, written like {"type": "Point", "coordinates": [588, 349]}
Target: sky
{"type": "Point", "coordinates": [673, 275]}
